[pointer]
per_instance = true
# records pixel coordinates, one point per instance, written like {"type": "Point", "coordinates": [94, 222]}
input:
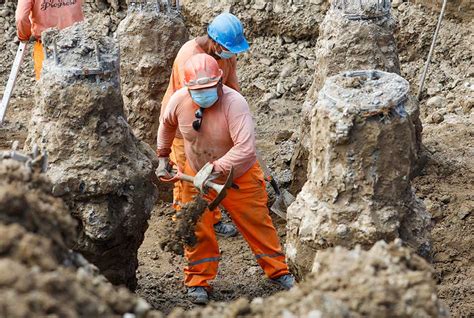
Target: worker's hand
{"type": "Point", "coordinates": [164, 168]}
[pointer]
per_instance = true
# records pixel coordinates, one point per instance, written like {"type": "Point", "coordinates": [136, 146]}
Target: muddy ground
{"type": "Point", "coordinates": [275, 76]}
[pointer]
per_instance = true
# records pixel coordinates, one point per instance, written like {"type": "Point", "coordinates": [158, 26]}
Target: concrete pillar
{"type": "Point", "coordinates": [354, 35]}
{"type": "Point", "coordinates": [96, 164]}
{"type": "Point", "coordinates": [363, 148]}
{"type": "Point", "coordinates": [149, 39]}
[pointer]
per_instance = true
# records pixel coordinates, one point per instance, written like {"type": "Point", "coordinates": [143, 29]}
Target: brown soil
{"type": "Point", "coordinates": [38, 275]}
{"type": "Point", "coordinates": [160, 273]}
{"type": "Point", "coordinates": [181, 232]}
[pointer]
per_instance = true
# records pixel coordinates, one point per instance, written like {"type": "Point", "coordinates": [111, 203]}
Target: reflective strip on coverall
{"type": "Point", "coordinates": [248, 208]}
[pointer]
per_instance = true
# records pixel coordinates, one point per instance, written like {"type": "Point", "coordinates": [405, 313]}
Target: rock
{"type": "Point", "coordinates": [287, 71]}
{"type": "Point", "coordinates": [464, 212]}
{"type": "Point", "coordinates": [396, 3]}
{"type": "Point", "coordinates": [435, 102]}
{"type": "Point", "coordinates": [92, 151]}
{"type": "Point", "coordinates": [282, 136]}
{"type": "Point", "coordinates": [266, 61]}
{"type": "Point", "coordinates": [445, 199]}
{"type": "Point", "coordinates": [436, 118]}
{"type": "Point", "coordinates": [280, 89]}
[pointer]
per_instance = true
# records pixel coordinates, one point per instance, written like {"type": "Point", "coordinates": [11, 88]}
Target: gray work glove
{"type": "Point", "coordinates": [164, 168]}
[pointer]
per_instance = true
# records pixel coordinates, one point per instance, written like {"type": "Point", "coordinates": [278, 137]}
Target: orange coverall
{"type": "Point", "coordinates": [35, 16]}
{"type": "Point", "coordinates": [229, 78]}
{"type": "Point", "coordinates": [227, 139]}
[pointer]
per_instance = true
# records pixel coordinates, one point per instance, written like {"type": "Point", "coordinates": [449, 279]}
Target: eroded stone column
{"type": "Point", "coordinates": [363, 147]}
{"type": "Point", "coordinates": [149, 37]}
{"type": "Point", "coordinates": [95, 162]}
{"type": "Point", "coordinates": [354, 35]}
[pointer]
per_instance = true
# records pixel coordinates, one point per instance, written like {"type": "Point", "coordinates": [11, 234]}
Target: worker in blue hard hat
{"type": "Point", "coordinates": [224, 39]}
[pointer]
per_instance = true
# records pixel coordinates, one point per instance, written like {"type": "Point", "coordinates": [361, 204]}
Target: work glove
{"type": "Point", "coordinates": [164, 168]}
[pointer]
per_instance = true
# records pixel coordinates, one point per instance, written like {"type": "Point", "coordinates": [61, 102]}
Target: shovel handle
{"type": "Point", "coordinates": [274, 185]}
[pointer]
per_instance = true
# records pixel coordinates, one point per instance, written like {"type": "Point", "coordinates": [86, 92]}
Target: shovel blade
{"type": "Point", "coordinates": [282, 202]}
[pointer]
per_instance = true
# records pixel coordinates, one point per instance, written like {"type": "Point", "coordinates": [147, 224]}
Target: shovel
{"type": "Point", "coordinates": [283, 198]}
{"type": "Point", "coordinates": [199, 181]}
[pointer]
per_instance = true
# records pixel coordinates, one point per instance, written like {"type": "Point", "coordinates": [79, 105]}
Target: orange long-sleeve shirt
{"type": "Point", "coordinates": [226, 136]}
{"type": "Point", "coordinates": [35, 16]}
{"type": "Point", "coordinates": [190, 48]}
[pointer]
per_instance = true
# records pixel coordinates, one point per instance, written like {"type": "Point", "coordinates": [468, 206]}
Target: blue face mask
{"type": "Point", "coordinates": [225, 55]}
{"type": "Point", "coordinates": [205, 97]}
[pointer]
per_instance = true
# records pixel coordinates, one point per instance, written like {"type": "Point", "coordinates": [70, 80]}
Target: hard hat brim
{"type": "Point", "coordinates": [207, 85]}
{"type": "Point", "coordinates": [241, 47]}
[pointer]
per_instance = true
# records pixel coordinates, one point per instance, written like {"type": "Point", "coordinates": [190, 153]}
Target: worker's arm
{"type": "Point", "coordinates": [167, 129]}
{"type": "Point", "coordinates": [232, 80]}
{"type": "Point", "coordinates": [242, 155]}
{"type": "Point", "coordinates": [22, 16]}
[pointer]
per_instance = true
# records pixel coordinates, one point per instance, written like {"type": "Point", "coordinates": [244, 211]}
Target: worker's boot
{"type": "Point", "coordinates": [286, 281]}
{"type": "Point", "coordinates": [225, 229]}
{"type": "Point", "coordinates": [198, 295]}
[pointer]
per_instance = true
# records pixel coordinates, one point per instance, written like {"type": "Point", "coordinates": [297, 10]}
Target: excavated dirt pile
{"type": "Point", "coordinates": [358, 189]}
{"type": "Point", "coordinates": [38, 275]}
{"type": "Point", "coordinates": [386, 281]}
{"type": "Point", "coordinates": [96, 164]}
{"type": "Point", "coordinates": [149, 41]}
{"type": "Point", "coordinates": [181, 232]}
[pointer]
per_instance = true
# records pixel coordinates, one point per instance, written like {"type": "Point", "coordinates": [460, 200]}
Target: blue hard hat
{"type": "Point", "coordinates": [227, 30]}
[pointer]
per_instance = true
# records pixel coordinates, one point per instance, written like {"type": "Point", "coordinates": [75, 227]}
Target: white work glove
{"type": "Point", "coordinates": [164, 168]}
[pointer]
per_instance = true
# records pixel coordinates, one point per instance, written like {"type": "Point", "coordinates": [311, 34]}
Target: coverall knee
{"type": "Point", "coordinates": [248, 208]}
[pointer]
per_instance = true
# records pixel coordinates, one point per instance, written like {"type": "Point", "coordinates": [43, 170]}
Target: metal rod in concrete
{"type": "Point", "coordinates": [55, 52]}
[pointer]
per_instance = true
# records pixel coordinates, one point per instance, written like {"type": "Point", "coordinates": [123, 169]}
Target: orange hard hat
{"type": "Point", "coordinates": [201, 71]}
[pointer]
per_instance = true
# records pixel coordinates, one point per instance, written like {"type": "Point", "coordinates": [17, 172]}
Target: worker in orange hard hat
{"type": "Point", "coordinates": [224, 39]}
{"type": "Point", "coordinates": [217, 127]}
{"type": "Point", "coordinates": [34, 16]}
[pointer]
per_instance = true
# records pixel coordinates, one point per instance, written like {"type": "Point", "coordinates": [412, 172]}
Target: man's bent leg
{"type": "Point", "coordinates": [248, 208]}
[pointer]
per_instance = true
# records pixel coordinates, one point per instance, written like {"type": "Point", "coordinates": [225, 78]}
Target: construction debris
{"type": "Point", "coordinates": [96, 164]}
